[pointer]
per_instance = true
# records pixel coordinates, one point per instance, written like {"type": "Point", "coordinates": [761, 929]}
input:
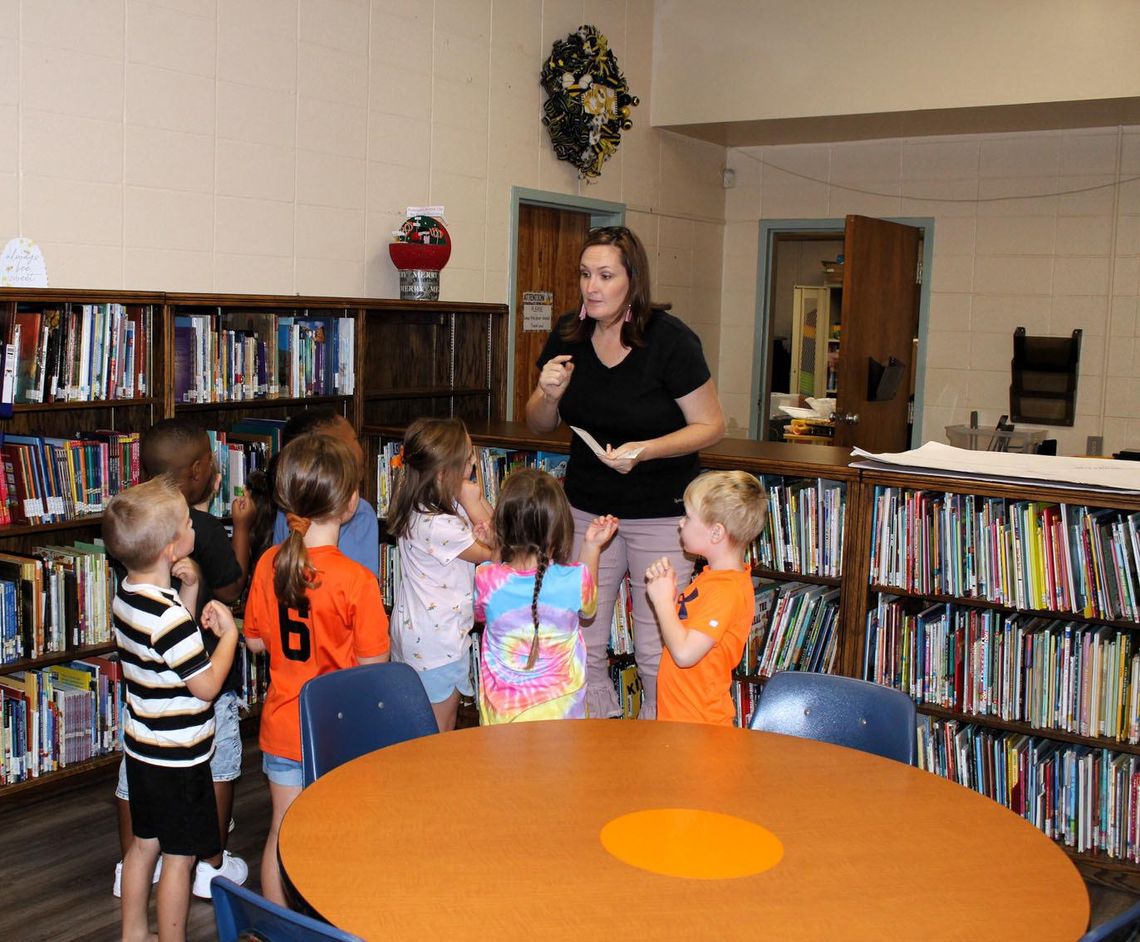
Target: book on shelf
{"type": "Point", "coordinates": [237, 455]}
{"type": "Point", "coordinates": [745, 696]}
{"type": "Point", "coordinates": [629, 689]}
{"type": "Point", "coordinates": [766, 595]}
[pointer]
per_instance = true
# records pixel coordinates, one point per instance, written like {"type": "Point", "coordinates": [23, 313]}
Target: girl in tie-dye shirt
{"type": "Point", "coordinates": [533, 664]}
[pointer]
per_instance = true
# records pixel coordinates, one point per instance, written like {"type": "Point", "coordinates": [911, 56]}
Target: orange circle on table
{"type": "Point", "coordinates": [686, 842]}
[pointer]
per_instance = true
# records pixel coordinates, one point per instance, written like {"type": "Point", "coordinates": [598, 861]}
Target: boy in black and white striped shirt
{"type": "Point", "coordinates": [171, 683]}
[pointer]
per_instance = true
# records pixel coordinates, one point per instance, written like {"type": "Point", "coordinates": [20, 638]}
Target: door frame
{"type": "Point", "coordinates": [769, 230]}
{"type": "Point", "coordinates": [601, 212]}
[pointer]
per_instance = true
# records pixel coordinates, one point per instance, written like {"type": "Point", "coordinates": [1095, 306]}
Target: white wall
{"type": "Point", "coordinates": [273, 145]}
{"type": "Point", "coordinates": [1007, 253]}
{"type": "Point", "coordinates": [748, 60]}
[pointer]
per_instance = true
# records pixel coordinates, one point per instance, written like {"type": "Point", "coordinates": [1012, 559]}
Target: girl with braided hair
{"type": "Point", "coordinates": [533, 664]}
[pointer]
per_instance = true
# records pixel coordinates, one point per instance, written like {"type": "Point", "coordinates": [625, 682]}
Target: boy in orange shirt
{"type": "Point", "coordinates": [705, 628]}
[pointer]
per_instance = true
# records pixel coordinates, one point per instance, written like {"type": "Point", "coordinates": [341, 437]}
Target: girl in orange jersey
{"type": "Point", "coordinates": [312, 608]}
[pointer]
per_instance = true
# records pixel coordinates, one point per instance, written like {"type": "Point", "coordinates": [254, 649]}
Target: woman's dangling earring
{"type": "Point", "coordinates": [582, 313]}
{"type": "Point", "coordinates": [628, 313]}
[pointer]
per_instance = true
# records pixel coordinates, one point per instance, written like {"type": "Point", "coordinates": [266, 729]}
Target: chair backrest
{"type": "Point", "coordinates": [347, 713]}
{"type": "Point", "coordinates": [1122, 928]}
{"type": "Point", "coordinates": [238, 910]}
{"type": "Point", "coordinates": [839, 710]}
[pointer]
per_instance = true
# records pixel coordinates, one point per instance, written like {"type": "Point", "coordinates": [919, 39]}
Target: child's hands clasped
{"type": "Point", "coordinates": [601, 530]}
{"type": "Point", "coordinates": [217, 618]}
{"type": "Point", "coordinates": [661, 583]}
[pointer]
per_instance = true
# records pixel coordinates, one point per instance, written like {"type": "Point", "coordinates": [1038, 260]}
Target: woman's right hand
{"type": "Point", "coordinates": [555, 376]}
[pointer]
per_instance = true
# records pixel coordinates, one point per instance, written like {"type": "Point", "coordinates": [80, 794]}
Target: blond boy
{"type": "Point", "coordinates": [171, 681]}
{"type": "Point", "coordinates": [705, 628]}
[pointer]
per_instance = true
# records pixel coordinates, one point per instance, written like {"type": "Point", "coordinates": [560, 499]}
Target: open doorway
{"type": "Point", "coordinates": [842, 307]}
{"type": "Point", "coordinates": [547, 231]}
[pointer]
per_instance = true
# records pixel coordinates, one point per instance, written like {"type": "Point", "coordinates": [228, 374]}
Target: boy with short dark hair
{"type": "Point", "coordinates": [171, 681]}
{"type": "Point", "coordinates": [705, 628]}
{"type": "Point", "coordinates": [180, 449]}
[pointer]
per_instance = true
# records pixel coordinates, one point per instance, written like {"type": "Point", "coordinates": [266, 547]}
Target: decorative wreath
{"type": "Point", "coordinates": [588, 101]}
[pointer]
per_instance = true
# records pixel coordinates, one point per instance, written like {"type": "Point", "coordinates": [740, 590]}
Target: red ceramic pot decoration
{"type": "Point", "coordinates": [415, 256]}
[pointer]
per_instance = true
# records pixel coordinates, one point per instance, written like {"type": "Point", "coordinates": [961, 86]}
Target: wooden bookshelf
{"type": "Point", "coordinates": [1098, 866]}
{"type": "Point", "coordinates": [410, 358]}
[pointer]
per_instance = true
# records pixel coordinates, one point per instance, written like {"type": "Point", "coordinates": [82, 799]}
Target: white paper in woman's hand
{"type": "Point", "coordinates": [598, 449]}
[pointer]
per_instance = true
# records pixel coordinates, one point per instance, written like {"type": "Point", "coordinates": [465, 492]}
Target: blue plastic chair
{"type": "Point", "coordinates": [238, 910]}
{"type": "Point", "coordinates": [347, 713]}
{"type": "Point", "coordinates": [1122, 928]}
{"type": "Point", "coordinates": [839, 710]}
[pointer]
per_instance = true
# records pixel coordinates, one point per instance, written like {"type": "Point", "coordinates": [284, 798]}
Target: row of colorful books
{"type": "Point", "coordinates": [57, 716]}
{"type": "Point", "coordinates": [242, 355]}
{"type": "Point", "coordinates": [799, 634]}
{"type": "Point", "coordinates": [247, 447]}
{"type": "Point", "coordinates": [80, 353]}
{"type": "Point", "coordinates": [1052, 674]}
{"type": "Point", "coordinates": [46, 480]}
{"type": "Point", "coordinates": [54, 599]}
{"type": "Point", "coordinates": [1024, 554]}
{"type": "Point", "coordinates": [1083, 797]}
{"type": "Point", "coordinates": [804, 529]}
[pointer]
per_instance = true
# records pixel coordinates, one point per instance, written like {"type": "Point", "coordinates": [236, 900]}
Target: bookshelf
{"type": "Point", "coordinates": [422, 358]}
{"type": "Point", "coordinates": [65, 472]}
{"type": "Point", "coordinates": [993, 607]}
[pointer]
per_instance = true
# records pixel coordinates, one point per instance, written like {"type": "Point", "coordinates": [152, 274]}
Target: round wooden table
{"type": "Point", "coordinates": [495, 833]}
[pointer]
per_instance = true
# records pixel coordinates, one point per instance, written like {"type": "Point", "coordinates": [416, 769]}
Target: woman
{"type": "Point", "coordinates": [634, 377]}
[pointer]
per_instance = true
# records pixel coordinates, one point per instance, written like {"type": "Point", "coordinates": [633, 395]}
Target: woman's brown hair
{"type": "Point", "coordinates": [533, 516]}
{"type": "Point", "coordinates": [316, 478]}
{"type": "Point", "coordinates": [636, 264]}
{"type": "Point", "coordinates": [433, 465]}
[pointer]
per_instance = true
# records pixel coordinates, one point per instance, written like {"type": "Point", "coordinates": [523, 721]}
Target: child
{"type": "Point", "coordinates": [360, 536]}
{"type": "Point", "coordinates": [180, 449]}
{"type": "Point", "coordinates": [441, 521]}
{"type": "Point", "coordinates": [168, 729]}
{"type": "Point", "coordinates": [705, 629]}
{"type": "Point", "coordinates": [312, 608]}
{"type": "Point", "coordinates": [533, 664]}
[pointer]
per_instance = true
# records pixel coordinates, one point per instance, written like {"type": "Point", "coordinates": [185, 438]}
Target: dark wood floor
{"type": "Point", "coordinates": [59, 856]}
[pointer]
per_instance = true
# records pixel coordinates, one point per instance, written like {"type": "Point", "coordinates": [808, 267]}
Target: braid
{"type": "Point", "coordinates": [539, 572]}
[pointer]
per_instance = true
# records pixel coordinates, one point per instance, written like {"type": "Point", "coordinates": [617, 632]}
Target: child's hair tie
{"type": "Point", "coordinates": [297, 523]}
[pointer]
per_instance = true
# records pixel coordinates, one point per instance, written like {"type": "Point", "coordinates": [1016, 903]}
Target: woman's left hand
{"type": "Point", "coordinates": [623, 458]}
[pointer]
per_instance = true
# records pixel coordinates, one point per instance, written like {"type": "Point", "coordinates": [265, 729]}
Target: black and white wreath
{"type": "Point", "coordinates": [588, 101]}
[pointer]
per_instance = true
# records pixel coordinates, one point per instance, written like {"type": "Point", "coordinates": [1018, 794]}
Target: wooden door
{"type": "Point", "coordinates": [547, 264]}
{"type": "Point", "coordinates": [879, 324]}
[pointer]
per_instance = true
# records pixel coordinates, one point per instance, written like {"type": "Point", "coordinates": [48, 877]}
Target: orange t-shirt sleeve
{"type": "Point", "coordinates": [369, 620]}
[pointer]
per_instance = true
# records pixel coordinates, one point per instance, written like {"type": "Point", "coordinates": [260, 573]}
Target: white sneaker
{"type": "Point", "coordinates": [118, 888]}
{"type": "Point", "coordinates": [232, 868]}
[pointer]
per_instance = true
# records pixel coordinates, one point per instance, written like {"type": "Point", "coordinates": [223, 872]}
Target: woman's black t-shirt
{"type": "Point", "coordinates": [633, 401]}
